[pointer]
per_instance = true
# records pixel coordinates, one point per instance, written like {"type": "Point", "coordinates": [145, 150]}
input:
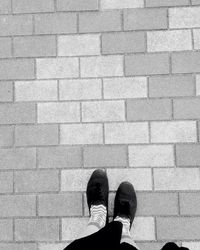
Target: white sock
{"type": "Point", "coordinates": [98, 216]}
{"type": "Point", "coordinates": [126, 226]}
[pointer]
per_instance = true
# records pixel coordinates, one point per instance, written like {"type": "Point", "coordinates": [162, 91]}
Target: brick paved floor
{"type": "Point", "coordinates": [88, 84]}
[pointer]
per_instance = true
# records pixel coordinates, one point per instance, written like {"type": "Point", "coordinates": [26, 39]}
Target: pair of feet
{"type": "Point", "coordinates": [125, 204]}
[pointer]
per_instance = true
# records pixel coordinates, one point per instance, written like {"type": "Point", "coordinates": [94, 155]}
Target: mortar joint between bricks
{"type": "Point", "coordinates": [179, 205]}
{"type": "Point", "coordinates": [155, 228]}
{"type": "Point", "coordinates": [13, 221]}
{"type": "Point", "coordinates": [127, 156]}
{"type": "Point", "coordinates": [55, 5]}
{"type": "Point", "coordinates": [11, 6]}
{"type": "Point", "coordinates": [56, 40]}
{"type": "Point", "coordinates": [192, 37]}
{"type": "Point", "coordinates": [172, 108]}
{"type": "Point", "coordinates": [102, 89]}
{"type": "Point", "coordinates": [33, 25]}
{"type": "Point", "coordinates": [175, 155]}
{"type": "Point", "coordinates": [104, 136]}
{"type": "Point", "coordinates": [77, 20]}
{"type": "Point", "coordinates": [122, 21]}
{"type": "Point", "coordinates": [168, 19]}
{"type": "Point", "coordinates": [60, 229]}
{"type": "Point", "coordinates": [195, 84]}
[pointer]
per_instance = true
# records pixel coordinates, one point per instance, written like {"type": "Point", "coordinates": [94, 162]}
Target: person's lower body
{"type": "Point", "coordinates": [101, 235]}
{"type": "Point", "coordinates": [109, 237]}
{"type": "Point", "coordinates": [98, 232]}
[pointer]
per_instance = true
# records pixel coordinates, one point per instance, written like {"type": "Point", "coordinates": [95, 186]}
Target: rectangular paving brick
{"type": "Point", "coordinates": [29, 6]}
{"type": "Point", "coordinates": [103, 111]}
{"type": "Point", "coordinates": [140, 178]}
{"type": "Point", "coordinates": [184, 17]}
{"type": "Point", "coordinates": [191, 245]}
{"type": "Point", "coordinates": [172, 132]}
{"type": "Point", "coordinates": [37, 229]}
{"type": "Point", "coordinates": [6, 182]}
{"type": "Point", "coordinates": [80, 178]}
{"type": "Point", "coordinates": [80, 89]}
{"type": "Point", "coordinates": [68, 204]}
{"type": "Point", "coordinates": [11, 69]}
{"type": "Point", "coordinates": [173, 40]}
{"type": "Point", "coordinates": [105, 156]}
{"type": "Point", "coordinates": [196, 34]}
{"type": "Point", "coordinates": [17, 113]}
{"type": "Point", "coordinates": [79, 45]}
{"type": "Point", "coordinates": [157, 204]}
{"type": "Point", "coordinates": [77, 5]}
{"type": "Point", "coordinates": [59, 157]}
{"type": "Point", "coordinates": [147, 64]}
{"type": "Point", "coordinates": [11, 25]}
{"type": "Point", "coordinates": [177, 179]}
{"type": "Point", "coordinates": [171, 86]}
{"type": "Point", "coordinates": [155, 109]}
{"type": "Point", "coordinates": [102, 66]}
{"type": "Point", "coordinates": [36, 181]}
{"type": "Point", "coordinates": [186, 62]}
{"type": "Point", "coordinates": [36, 135]}
{"type": "Point", "coordinates": [188, 154]}
{"type": "Point", "coordinates": [123, 133]}
{"type": "Point", "coordinates": [129, 87]}
{"type": "Point", "coordinates": [117, 4]}
{"type": "Point", "coordinates": [6, 229]}
{"type": "Point", "coordinates": [151, 156]}
{"type": "Point", "coordinates": [34, 46]}
{"type": "Point", "coordinates": [187, 108]}
{"type": "Point", "coordinates": [81, 134]}
{"type": "Point", "coordinates": [36, 90]}
{"type": "Point", "coordinates": [18, 246]}
{"type": "Point", "coordinates": [18, 158]}
{"type": "Point", "coordinates": [17, 205]}
{"type": "Point", "coordinates": [6, 91]}
{"type": "Point", "coordinates": [189, 203]}
{"type": "Point", "coordinates": [57, 23]}
{"type": "Point", "coordinates": [166, 3]}
{"type": "Point", "coordinates": [178, 228]}
{"type": "Point", "coordinates": [73, 228]}
{"type": "Point", "coordinates": [56, 112]}
{"type": "Point", "coordinates": [145, 19]}
{"type": "Point", "coordinates": [57, 68]}
{"type": "Point", "coordinates": [6, 135]}
{"type": "Point", "coordinates": [100, 21]}
{"type": "Point", "coordinates": [127, 42]}
{"type": "Point", "coordinates": [5, 6]}
{"type": "Point", "coordinates": [143, 229]}
{"type": "Point", "coordinates": [5, 47]}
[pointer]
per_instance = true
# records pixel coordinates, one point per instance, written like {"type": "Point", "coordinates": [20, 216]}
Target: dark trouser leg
{"type": "Point", "coordinates": [108, 237]}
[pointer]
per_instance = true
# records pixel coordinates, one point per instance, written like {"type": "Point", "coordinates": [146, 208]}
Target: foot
{"type": "Point", "coordinates": [97, 189]}
{"type": "Point", "coordinates": [125, 202]}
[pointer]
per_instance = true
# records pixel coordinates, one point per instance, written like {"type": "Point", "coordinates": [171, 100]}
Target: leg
{"type": "Point", "coordinates": [97, 199]}
{"type": "Point", "coordinates": [97, 220]}
{"type": "Point", "coordinates": [126, 234]}
{"type": "Point", "coordinates": [124, 211]}
{"type": "Point", "coordinates": [106, 238]}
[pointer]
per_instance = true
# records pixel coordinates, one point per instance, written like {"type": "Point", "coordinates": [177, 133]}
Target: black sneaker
{"type": "Point", "coordinates": [125, 202]}
{"type": "Point", "coordinates": [97, 189]}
